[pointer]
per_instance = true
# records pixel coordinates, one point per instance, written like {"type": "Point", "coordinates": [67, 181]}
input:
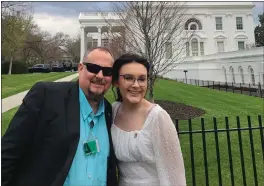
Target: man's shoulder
{"type": "Point", "coordinates": [107, 103]}
{"type": "Point", "coordinates": [55, 87]}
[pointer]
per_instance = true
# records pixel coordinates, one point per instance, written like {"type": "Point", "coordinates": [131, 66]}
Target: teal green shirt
{"type": "Point", "coordinates": [90, 170]}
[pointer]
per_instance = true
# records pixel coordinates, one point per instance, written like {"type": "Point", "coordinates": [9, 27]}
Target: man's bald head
{"type": "Point", "coordinates": [90, 52]}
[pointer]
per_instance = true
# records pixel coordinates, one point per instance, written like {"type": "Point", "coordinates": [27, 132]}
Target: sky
{"type": "Point", "coordinates": [63, 16]}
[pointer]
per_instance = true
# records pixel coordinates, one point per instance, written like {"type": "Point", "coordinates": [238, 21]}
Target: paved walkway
{"type": "Point", "coordinates": [16, 100]}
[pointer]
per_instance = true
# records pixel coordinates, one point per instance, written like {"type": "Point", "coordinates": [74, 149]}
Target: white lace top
{"type": "Point", "coordinates": [150, 156]}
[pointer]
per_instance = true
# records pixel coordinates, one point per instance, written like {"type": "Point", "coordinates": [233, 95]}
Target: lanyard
{"type": "Point", "coordinates": [91, 125]}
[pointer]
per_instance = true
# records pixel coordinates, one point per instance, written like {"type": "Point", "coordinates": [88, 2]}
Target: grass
{"type": "Point", "coordinates": [6, 118]}
{"type": "Point", "coordinates": [15, 83]}
{"type": "Point", "coordinates": [217, 104]}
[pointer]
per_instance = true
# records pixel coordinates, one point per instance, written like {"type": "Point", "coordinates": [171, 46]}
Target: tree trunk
{"type": "Point", "coordinates": [151, 93]}
{"type": "Point", "coordinates": [10, 65]}
{"type": "Point", "coordinates": [151, 84]}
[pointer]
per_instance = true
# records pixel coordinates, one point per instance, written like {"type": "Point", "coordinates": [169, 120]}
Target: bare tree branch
{"type": "Point", "coordinates": [150, 28]}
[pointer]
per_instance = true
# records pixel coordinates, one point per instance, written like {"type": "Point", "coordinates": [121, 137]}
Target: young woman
{"type": "Point", "coordinates": [144, 136]}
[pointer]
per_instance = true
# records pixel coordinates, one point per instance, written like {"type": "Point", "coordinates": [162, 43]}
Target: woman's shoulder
{"type": "Point", "coordinates": [157, 110]}
{"type": "Point", "coordinates": [159, 114]}
{"type": "Point", "coordinates": [115, 104]}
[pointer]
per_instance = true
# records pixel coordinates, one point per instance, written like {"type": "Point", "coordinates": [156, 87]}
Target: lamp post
{"type": "Point", "coordinates": [185, 71]}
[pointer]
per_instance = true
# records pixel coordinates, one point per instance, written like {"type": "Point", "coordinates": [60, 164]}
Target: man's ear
{"type": "Point", "coordinates": [80, 67]}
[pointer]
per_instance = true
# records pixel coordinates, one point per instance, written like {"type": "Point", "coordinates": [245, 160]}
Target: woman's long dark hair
{"type": "Point", "coordinates": [122, 60]}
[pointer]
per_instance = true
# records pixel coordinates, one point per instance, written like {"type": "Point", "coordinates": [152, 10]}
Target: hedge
{"type": "Point", "coordinates": [18, 67]}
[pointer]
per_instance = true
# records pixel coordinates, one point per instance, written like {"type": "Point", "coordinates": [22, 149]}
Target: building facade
{"type": "Point", "coordinates": [223, 35]}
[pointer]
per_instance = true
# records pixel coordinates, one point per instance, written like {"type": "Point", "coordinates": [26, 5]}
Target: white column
{"type": "Point", "coordinates": [109, 36]}
{"type": "Point", "coordinates": [85, 41]}
{"type": "Point", "coordinates": [82, 42]}
{"type": "Point", "coordinates": [100, 36]}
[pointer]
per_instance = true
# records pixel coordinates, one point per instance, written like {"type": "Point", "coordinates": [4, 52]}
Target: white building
{"type": "Point", "coordinates": [218, 50]}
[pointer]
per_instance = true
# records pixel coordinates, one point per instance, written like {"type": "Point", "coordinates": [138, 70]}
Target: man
{"type": "Point", "coordinates": [61, 133]}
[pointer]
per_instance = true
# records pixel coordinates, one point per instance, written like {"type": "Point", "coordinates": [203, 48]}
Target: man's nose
{"type": "Point", "coordinates": [100, 74]}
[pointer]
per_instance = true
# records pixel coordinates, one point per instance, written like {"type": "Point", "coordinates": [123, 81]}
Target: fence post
{"type": "Point", "coordinates": [241, 151]}
{"type": "Point", "coordinates": [233, 87]}
{"type": "Point", "coordinates": [213, 84]}
{"type": "Point", "coordinates": [192, 152]}
{"type": "Point", "coordinates": [217, 152]}
{"type": "Point", "coordinates": [261, 135]}
{"type": "Point", "coordinates": [229, 151]}
{"type": "Point", "coordinates": [198, 82]}
{"type": "Point", "coordinates": [177, 126]}
{"type": "Point", "coordinates": [240, 88]}
{"type": "Point", "coordinates": [203, 82]}
{"type": "Point", "coordinates": [226, 86]}
{"type": "Point", "coordinates": [205, 153]}
{"type": "Point", "coordinates": [249, 89]}
{"type": "Point", "coordinates": [208, 83]}
{"type": "Point", "coordinates": [219, 85]}
{"type": "Point", "coordinates": [252, 151]}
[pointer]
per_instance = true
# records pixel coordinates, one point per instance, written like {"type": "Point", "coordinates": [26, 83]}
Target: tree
{"type": "Point", "coordinates": [73, 47]}
{"type": "Point", "coordinates": [46, 46]}
{"type": "Point", "coordinates": [16, 24]}
{"type": "Point", "coordinates": [154, 30]}
{"type": "Point", "coordinates": [259, 31]}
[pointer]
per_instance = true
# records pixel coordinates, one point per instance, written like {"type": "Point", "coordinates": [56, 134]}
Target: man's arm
{"type": "Point", "coordinates": [20, 131]}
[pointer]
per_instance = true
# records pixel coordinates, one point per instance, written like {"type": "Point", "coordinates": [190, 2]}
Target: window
{"type": "Point", "coordinates": [241, 45]}
{"type": "Point", "coordinates": [193, 20]}
{"type": "Point", "coordinates": [251, 71]}
{"type": "Point", "coordinates": [239, 23]}
{"type": "Point", "coordinates": [193, 27]}
{"type": "Point", "coordinates": [105, 42]}
{"type": "Point", "coordinates": [168, 50]}
{"type": "Point", "coordinates": [94, 43]}
{"type": "Point", "coordinates": [232, 73]}
{"type": "Point", "coordinates": [218, 23]}
{"type": "Point", "coordinates": [202, 48]}
{"type": "Point", "coordinates": [224, 70]}
{"type": "Point", "coordinates": [187, 49]}
{"type": "Point", "coordinates": [194, 47]}
{"type": "Point", "coordinates": [220, 46]}
{"type": "Point", "coordinates": [240, 69]}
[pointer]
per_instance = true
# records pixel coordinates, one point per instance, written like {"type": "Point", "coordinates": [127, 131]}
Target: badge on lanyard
{"type": "Point", "coordinates": [91, 146]}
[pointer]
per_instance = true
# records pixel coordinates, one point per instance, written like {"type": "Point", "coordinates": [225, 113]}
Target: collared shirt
{"type": "Point", "coordinates": [90, 170]}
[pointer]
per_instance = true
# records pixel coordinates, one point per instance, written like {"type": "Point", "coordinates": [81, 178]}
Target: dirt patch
{"type": "Point", "coordinates": [180, 111]}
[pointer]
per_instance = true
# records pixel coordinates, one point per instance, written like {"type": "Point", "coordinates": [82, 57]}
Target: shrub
{"type": "Point", "coordinates": [18, 67]}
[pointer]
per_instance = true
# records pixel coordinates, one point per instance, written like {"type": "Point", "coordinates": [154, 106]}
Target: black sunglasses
{"type": "Point", "coordinates": [93, 68]}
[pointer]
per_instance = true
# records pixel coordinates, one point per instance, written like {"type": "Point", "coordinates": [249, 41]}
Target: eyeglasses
{"type": "Point", "coordinates": [130, 80]}
{"type": "Point", "coordinates": [93, 68]}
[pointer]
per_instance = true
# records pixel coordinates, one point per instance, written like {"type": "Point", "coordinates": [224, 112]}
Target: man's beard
{"type": "Point", "coordinates": [96, 96]}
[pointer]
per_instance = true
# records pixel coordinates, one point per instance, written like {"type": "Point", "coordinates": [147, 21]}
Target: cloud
{"type": "Point", "coordinates": [70, 8]}
{"type": "Point", "coordinates": [57, 23]}
{"type": "Point", "coordinates": [63, 16]}
{"type": "Point", "coordinates": [258, 9]}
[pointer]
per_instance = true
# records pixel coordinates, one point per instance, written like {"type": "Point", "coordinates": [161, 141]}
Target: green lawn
{"type": "Point", "coordinates": [15, 83]}
{"type": "Point", "coordinates": [217, 104]}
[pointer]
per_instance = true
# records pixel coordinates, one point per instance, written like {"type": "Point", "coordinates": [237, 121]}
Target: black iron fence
{"type": "Point", "coordinates": [228, 144]}
{"type": "Point", "coordinates": [247, 89]}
